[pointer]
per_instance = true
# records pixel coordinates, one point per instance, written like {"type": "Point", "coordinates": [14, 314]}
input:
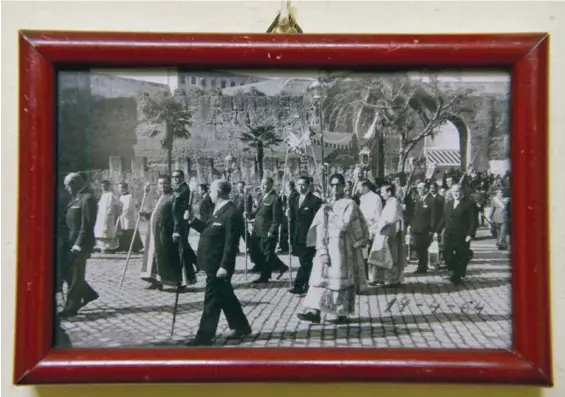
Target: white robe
{"type": "Point", "coordinates": [391, 219]}
{"type": "Point", "coordinates": [127, 217]}
{"type": "Point", "coordinates": [105, 229]}
{"type": "Point", "coordinates": [108, 206]}
{"type": "Point", "coordinates": [371, 206]}
{"type": "Point", "coordinates": [338, 268]}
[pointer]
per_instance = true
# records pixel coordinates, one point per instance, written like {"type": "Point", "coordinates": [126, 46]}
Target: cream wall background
{"type": "Point", "coordinates": [314, 17]}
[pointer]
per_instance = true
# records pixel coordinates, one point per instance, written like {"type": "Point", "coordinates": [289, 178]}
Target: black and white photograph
{"type": "Point", "coordinates": [235, 208]}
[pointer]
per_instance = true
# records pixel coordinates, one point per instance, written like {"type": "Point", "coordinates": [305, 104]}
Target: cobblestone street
{"type": "Point", "coordinates": [426, 312]}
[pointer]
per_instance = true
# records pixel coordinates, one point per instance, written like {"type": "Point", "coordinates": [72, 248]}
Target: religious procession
{"type": "Point", "coordinates": [333, 235]}
{"type": "Point", "coordinates": [355, 237]}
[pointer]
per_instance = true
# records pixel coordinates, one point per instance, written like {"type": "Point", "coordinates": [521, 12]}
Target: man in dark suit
{"type": "Point", "coordinates": [422, 224]}
{"type": "Point", "coordinates": [268, 217]}
{"type": "Point", "coordinates": [244, 204]}
{"type": "Point", "coordinates": [80, 220]}
{"type": "Point", "coordinates": [217, 251]}
{"type": "Point", "coordinates": [291, 193]}
{"type": "Point", "coordinates": [302, 209]}
{"type": "Point", "coordinates": [459, 221]}
{"type": "Point", "coordinates": [181, 204]}
{"type": "Point", "coordinates": [439, 202]}
{"type": "Point", "coordinates": [205, 207]}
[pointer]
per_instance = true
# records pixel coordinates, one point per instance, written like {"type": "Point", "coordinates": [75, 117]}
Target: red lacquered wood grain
{"type": "Point", "coordinates": [528, 362]}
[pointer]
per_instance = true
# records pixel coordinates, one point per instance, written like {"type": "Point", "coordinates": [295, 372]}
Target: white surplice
{"type": "Point", "coordinates": [106, 222]}
{"type": "Point", "coordinates": [127, 216]}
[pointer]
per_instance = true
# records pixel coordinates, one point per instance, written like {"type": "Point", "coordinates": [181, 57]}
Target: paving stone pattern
{"type": "Point", "coordinates": [426, 312]}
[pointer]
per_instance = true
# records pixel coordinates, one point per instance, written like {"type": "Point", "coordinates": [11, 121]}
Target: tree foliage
{"type": "Point", "coordinates": [260, 135]}
{"type": "Point", "coordinates": [169, 116]}
{"type": "Point", "coordinates": [381, 107]}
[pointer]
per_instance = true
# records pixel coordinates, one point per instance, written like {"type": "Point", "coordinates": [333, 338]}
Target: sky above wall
{"type": "Point", "coordinates": [168, 76]}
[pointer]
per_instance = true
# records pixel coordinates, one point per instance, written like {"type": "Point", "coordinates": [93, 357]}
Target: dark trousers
{"type": "Point", "coordinates": [78, 288]}
{"type": "Point", "coordinates": [125, 238]}
{"type": "Point", "coordinates": [456, 254]}
{"type": "Point", "coordinates": [253, 242]}
{"type": "Point", "coordinates": [305, 257]}
{"type": "Point", "coordinates": [421, 242]}
{"type": "Point", "coordinates": [188, 260]}
{"type": "Point", "coordinates": [269, 260]}
{"type": "Point", "coordinates": [283, 239]}
{"type": "Point", "coordinates": [219, 296]}
{"type": "Point", "coordinates": [246, 237]}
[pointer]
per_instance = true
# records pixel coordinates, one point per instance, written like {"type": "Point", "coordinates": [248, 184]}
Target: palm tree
{"type": "Point", "coordinates": [392, 105]}
{"type": "Point", "coordinates": [260, 137]}
{"type": "Point", "coordinates": [170, 116]}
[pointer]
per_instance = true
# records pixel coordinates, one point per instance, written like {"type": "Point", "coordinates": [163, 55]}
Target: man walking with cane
{"type": "Point", "coordinates": [217, 251]}
{"type": "Point", "coordinates": [302, 209]}
{"type": "Point", "coordinates": [181, 204]}
{"type": "Point", "coordinates": [80, 220]}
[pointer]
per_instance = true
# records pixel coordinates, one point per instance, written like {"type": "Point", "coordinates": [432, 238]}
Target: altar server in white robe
{"type": "Point", "coordinates": [371, 205]}
{"type": "Point", "coordinates": [127, 221]}
{"type": "Point", "coordinates": [386, 258]}
{"type": "Point", "coordinates": [106, 220]}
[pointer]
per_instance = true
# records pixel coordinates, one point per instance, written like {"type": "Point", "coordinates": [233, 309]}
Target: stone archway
{"type": "Point", "coordinates": [423, 102]}
{"type": "Point", "coordinates": [464, 139]}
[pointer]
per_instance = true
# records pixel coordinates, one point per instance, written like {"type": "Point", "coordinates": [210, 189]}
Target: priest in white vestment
{"type": "Point", "coordinates": [339, 233]}
{"type": "Point", "coordinates": [386, 257]}
{"type": "Point", "coordinates": [106, 220]}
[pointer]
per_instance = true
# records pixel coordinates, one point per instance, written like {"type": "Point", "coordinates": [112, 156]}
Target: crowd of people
{"type": "Point", "coordinates": [350, 238]}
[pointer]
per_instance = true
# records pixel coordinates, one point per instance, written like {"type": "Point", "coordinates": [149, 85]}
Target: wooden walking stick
{"type": "Point", "coordinates": [175, 307]}
{"type": "Point", "coordinates": [133, 236]}
{"type": "Point", "coordinates": [245, 239]}
{"type": "Point", "coordinates": [175, 310]}
{"type": "Point", "coordinates": [288, 223]}
{"type": "Point", "coordinates": [289, 245]}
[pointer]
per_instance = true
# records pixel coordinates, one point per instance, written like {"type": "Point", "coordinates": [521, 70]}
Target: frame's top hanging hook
{"type": "Point", "coordinates": [284, 21]}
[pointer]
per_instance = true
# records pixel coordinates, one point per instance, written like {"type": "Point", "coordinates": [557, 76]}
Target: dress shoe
{"type": "Point", "coordinates": [313, 318]}
{"type": "Point", "coordinates": [90, 298]}
{"type": "Point", "coordinates": [199, 342]}
{"type": "Point", "coordinates": [282, 271]}
{"type": "Point", "coordinates": [239, 333]}
{"type": "Point", "coordinates": [68, 312]}
{"type": "Point", "coordinates": [456, 280]}
{"type": "Point", "coordinates": [155, 286]}
{"type": "Point", "coordinates": [341, 320]}
{"type": "Point", "coordinates": [260, 280]}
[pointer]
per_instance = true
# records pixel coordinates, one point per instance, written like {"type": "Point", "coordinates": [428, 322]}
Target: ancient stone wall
{"type": "Point", "coordinates": [99, 118]}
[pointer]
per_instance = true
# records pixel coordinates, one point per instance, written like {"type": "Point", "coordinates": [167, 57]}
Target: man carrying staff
{"type": "Point", "coordinates": [302, 209]}
{"type": "Point", "coordinates": [217, 251]}
{"type": "Point", "coordinates": [161, 260]}
{"type": "Point", "coordinates": [244, 204]}
{"type": "Point", "coordinates": [181, 204]}
{"type": "Point", "coordinates": [80, 221]}
{"type": "Point", "coordinates": [267, 220]}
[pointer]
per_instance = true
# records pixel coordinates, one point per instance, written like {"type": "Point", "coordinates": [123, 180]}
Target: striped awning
{"type": "Point", "coordinates": [334, 140]}
{"type": "Point", "coordinates": [444, 157]}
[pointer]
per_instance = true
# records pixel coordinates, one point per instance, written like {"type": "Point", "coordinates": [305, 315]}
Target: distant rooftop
{"type": "Point", "coordinates": [273, 87]}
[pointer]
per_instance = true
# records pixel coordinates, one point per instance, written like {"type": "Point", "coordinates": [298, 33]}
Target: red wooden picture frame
{"type": "Point", "coordinates": [525, 55]}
